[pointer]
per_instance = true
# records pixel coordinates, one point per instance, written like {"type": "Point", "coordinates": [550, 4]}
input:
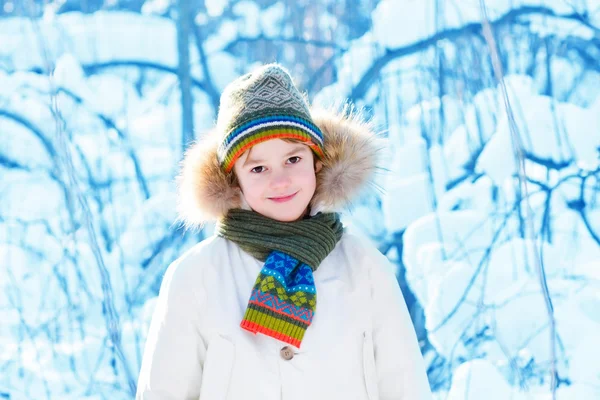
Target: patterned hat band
{"type": "Point", "coordinates": [266, 128]}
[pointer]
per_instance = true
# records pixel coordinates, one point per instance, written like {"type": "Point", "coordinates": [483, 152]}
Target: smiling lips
{"type": "Point", "coordinates": [283, 199]}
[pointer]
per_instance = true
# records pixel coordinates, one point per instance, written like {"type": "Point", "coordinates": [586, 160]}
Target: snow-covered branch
{"type": "Point", "coordinates": [471, 29]}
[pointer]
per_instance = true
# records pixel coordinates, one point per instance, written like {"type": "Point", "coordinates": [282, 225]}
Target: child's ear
{"type": "Point", "coordinates": [318, 166]}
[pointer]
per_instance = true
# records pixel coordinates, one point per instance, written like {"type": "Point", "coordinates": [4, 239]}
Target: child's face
{"type": "Point", "coordinates": [278, 178]}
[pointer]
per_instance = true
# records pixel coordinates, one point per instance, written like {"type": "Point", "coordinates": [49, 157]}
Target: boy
{"type": "Point", "coordinates": [280, 303]}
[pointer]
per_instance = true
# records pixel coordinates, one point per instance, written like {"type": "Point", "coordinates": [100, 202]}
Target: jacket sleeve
{"type": "Point", "coordinates": [174, 352]}
{"type": "Point", "coordinates": [399, 364]}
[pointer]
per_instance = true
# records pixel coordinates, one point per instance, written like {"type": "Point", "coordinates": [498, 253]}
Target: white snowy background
{"type": "Point", "coordinates": [490, 205]}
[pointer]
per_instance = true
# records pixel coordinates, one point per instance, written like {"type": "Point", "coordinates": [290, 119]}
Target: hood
{"type": "Point", "coordinates": [206, 192]}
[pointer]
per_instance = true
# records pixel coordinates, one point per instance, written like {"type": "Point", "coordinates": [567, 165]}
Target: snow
{"type": "Point", "coordinates": [480, 116]}
{"type": "Point", "coordinates": [471, 196]}
{"type": "Point", "coordinates": [516, 260]}
{"type": "Point", "coordinates": [22, 193]}
{"type": "Point", "coordinates": [406, 200]}
{"type": "Point", "coordinates": [226, 65]}
{"type": "Point", "coordinates": [449, 202]}
{"type": "Point", "coordinates": [582, 133]}
{"type": "Point", "coordinates": [448, 315]}
{"type": "Point", "coordinates": [546, 26]}
{"type": "Point", "coordinates": [228, 31]}
{"type": "Point", "coordinates": [249, 12]}
{"type": "Point", "coordinates": [548, 130]}
{"type": "Point", "coordinates": [584, 364]}
{"type": "Point", "coordinates": [457, 233]}
{"type": "Point", "coordinates": [155, 7]}
{"type": "Point", "coordinates": [520, 320]}
{"type": "Point", "coordinates": [69, 74]}
{"type": "Point", "coordinates": [420, 22]}
{"type": "Point", "coordinates": [439, 173]}
{"type": "Point", "coordinates": [360, 222]}
{"type": "Point", "coordinates": [28, 150]}
{"type": "Point", "coordinates": [474, 379]}
{"type": "Point", "coordinates": [577, 244]}
{"type": "Point", "coordinates": [93, 39]}
{"type": "Point", "coordinates": [272, 18]}
{"type": "Point", "coordinates": [215, 7]}
{"type": "Point", "coordinates": [409, 159]}
{"type": "Point", "coordinates": [147, 226]}
{"type": "Point", "coordinates": [107, 88]}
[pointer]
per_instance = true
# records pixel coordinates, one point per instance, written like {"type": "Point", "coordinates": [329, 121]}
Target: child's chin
{"type": "Point", "coordinates": [285, 215]}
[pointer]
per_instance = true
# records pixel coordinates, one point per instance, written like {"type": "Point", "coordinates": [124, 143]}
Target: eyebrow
{"type": "Point", "coordinates": [297, 149]}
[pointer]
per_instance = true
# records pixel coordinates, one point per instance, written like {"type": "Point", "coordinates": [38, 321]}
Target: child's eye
{"type": "Point", "coordinates": [258, 170]}
{"type": "Point", "coordinates": [294, 160]}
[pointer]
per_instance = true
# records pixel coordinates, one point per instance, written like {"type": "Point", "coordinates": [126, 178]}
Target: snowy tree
{"type": "Point", "coordinates": [489, 202]}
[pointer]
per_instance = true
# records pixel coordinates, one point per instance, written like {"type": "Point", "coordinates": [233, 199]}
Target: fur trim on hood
{"type": "Point", "coordinates": [206, 192]}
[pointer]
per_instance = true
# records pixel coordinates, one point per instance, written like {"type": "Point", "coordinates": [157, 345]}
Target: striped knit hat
{"type": "Point", "coordinates": [260, 106]}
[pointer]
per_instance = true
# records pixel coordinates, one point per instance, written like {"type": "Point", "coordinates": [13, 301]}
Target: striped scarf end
{"type": "Point", "coordinates": [256, 328]}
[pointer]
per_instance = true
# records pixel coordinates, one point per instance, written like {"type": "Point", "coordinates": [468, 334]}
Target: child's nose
{"type": "Point", "coordinates": [280, 179]}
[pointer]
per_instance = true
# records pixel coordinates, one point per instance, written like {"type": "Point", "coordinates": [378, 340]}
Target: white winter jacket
{"type": "Point", "coordinates": [361, 344]}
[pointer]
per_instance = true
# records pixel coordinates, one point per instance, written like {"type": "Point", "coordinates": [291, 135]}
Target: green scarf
{"type": "Point", "coordinates": [283, 299]}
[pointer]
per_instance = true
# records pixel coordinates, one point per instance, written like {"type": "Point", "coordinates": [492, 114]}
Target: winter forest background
{"type": "Point", "coordinates": [490, 206]}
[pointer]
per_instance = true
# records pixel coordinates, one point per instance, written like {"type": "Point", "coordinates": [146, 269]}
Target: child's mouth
{"type": "Point", "coordinates": [283, 199]}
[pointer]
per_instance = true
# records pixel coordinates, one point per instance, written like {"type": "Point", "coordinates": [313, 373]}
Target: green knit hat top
{"type": "Point", "coordinates": [262, 105]}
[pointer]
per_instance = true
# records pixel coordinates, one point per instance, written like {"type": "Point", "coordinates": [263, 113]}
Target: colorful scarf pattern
{"type": "Point", "coordinates": [284, 298]}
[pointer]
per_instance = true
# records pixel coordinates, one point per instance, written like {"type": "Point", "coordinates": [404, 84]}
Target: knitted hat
{"type": "Point", "coordinates": [260, 106]}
